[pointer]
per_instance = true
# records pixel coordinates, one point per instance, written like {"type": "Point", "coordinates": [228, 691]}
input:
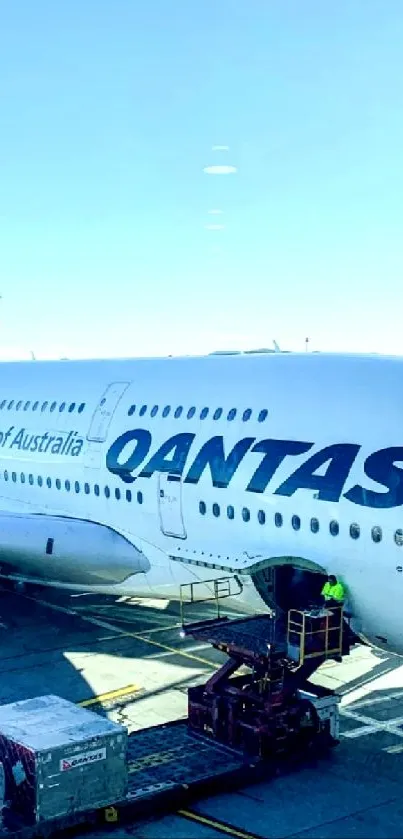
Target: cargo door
{"type": "Point", "coordinates": [170, 505]}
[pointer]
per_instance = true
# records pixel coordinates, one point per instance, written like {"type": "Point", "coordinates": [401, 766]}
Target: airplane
{"type": "Point", "coordinates": [137, 476]}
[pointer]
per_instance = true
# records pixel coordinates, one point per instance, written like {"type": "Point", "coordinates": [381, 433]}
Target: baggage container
{"type": "Point", "coordinates": [59, 759]}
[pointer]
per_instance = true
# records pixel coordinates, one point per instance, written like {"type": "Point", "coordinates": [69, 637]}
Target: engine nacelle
{"type": "Point", "coordinates": [66, 550]}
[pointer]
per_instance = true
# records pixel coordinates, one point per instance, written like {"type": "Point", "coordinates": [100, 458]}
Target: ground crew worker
{"type": "Point", "coordinates": [333, 591]}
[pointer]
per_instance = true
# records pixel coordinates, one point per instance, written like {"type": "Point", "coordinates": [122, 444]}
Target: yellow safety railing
{"type": "Point", "coordinates": [315, 634]}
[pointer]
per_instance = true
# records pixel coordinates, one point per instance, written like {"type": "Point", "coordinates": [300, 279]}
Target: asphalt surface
{"type": "Point", "coordinates": [126, 659]}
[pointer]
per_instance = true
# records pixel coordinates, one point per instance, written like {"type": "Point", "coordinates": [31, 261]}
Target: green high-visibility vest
{"type": "Point", "coordinates": [333, 592]}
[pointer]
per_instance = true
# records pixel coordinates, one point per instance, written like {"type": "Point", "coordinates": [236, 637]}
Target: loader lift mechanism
{"type": "Point", "coordinates": [270, 708]}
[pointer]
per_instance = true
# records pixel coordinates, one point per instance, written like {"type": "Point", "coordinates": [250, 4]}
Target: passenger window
{"type": "Point", "coordinates": [5, 475]}
{"type": "Point", "coordinates": [117, 494]}
{"type": "Point", "coordinates": [296, 522]}
{"type": "Point", "coordinates": [178, 412]}
{"type": "Point", "coordinates": [191, 412]}
{"type": "Point", "coordinates": [3, 404]}
{"type": "Point", "coordinates": [166, 411]}
{"type": "Point", "coordinates": [278, 520]}
{"type": "Point", "coordinates": [40, 480]}
{"type": "Point", "coordinates": [128, 495]}
{"type": "Point", "coordinates": [142, 410]}
{"type": "Point", "coordinates": [76, 486]}
{"type": "Point", "coordinates": [62, 407]}
{"type": "Point", "coordinates": [139, 497]}
{"type": "Point", "coordinates": [71, 407]}
{"type": "Point", "coordinates": [314, 525]}
{"type": "Point", "coordinates": [35, 406]}
{"type": "Point", "coordinates": [58, 483]}
{"type": "Point", "coordinates": [263, 415]}
{"type": "Point", "coordinates": [10, 404]}
{"type": "Point", "coordinates": [96, 490]}
{"type": "Point", "coordinates": [217, 414]}
{"type": "Point", "coordinates": [354, 531]}
{"type": "Point", "coordinates": [376, 534]}
{"type": "Point", "coordinates": [231, 414]}
{"type": "Point", "coordinates": [67, 486]}
{"type": "Point", "coordinates": [131, 410]}
{"type": "Point", "coordinates": [31, 479]}
{"type": "Point", "coordinates": [18, 405]}
{"type": "Point", "coordinates": [399, 538]}
{"type": "Point", "coordinates": [22, 478]}
{"type": "Point", "coordinates": [87, 489]}
{"type": "Point", "coordinates": [334, 528]}
{"type": "Point", "coordinates": [245, 514]}
{"type": "Point", "coordinates": [230, 511]}
{"type": "Point", "coordinates": [246, 415]}
{"type": "Point", "coordinates": [26, 406]}
{"type": "Point", "coordinates": [216, 510]}
{"type": "Point", "coordinates": [53, 406]}
{"type": "Point", "coordinates": [107, 492]}
{"type": "Point", "coordinates": [44, 406]}
{"type": "Point", "coordinates": [81, 407]}
{"type": "Point", "coordinates": [202, 508]}
{"type": "Point", "coordinates": [261, 516]}
{"type": "Point", "coordinates": [154, 410]}
{"type": "Point", "coordinates": [203, 413]}
{"type": "Point", "coordinates": [14, 476]}
{"type": "Point", "coordinates": [49, 482]}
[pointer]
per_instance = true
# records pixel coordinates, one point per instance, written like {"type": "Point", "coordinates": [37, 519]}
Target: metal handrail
{"type": "Point", "coordinates": [216, 595]}
{"type": "Point", "coordinates": [298, 628]}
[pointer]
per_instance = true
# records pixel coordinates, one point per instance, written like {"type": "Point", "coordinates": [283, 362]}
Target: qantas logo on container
{"type": "Point", "coordinates": [82, 759]}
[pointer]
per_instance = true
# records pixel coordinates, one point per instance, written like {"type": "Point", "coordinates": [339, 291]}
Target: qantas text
{"type": "Point", "coordinates": [132, 449]}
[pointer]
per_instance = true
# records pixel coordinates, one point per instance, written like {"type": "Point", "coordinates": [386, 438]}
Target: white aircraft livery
{"type": "Point", "coordinates": [137, 476]}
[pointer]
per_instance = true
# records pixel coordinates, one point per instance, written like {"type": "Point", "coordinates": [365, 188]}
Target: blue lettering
{"type": "Point", "coordinates": [380, 467]}
{"type": "Point", "coordinates": [142, 439]}
{"type": "Point", "coordinates": [171, 457]}
{"type": "Point", "coordinates": [341, 457]}
{"type": "Point", "coordinates": [274, 453]}
{"type": "Point", "coordinates": [179, 446]}
{"type": "Point", "coordinates": [222, 468]}
{"type": "Point", "coordinates": [18, 439]}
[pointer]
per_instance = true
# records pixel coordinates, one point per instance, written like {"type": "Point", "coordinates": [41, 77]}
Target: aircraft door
{"type": "Point", "coordinates": [170, 506]}
{"type": "Point", "coordinates": [100, 422]}
{"type": "Point", "coordinates": [104, 411]}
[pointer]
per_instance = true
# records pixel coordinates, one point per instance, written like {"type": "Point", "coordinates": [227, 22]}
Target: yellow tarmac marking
{"type": "Point", "coordinates": [163, 628]}
{"type": "Point", "coordinates": [169, 649]}
{"type": "Point", "coordinates": [106, 625]}
{"type": "Point", "coordinates": [223, 827]}
{"type": "Point", "coordinates": [110, 695]}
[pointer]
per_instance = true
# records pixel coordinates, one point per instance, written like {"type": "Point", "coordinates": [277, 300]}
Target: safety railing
{"type": "Point", "coordinates": [214, 591]}
{"type": "Point", "coordinates": [316, 633]}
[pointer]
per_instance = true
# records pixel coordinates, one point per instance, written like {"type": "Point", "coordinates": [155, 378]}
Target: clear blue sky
{"type": "Point", "coordinates": [108, 113]}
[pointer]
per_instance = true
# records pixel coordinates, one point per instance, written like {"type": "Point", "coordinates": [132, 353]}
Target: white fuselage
{"type": "Point", "coordinates": [194, 468]}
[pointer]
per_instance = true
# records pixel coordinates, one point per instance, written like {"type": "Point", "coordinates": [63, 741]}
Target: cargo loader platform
{"type": "Point", "coordinates": [167, 767]}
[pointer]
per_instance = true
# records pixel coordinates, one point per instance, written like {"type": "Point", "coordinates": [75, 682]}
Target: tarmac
{"type": "Point", "coordinates": [125, 658]}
